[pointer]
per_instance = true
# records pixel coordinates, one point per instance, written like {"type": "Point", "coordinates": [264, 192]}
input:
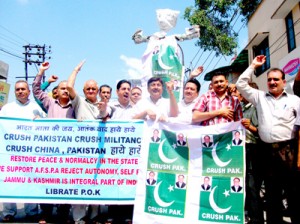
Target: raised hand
{"type": "Point", "coordinates": [52, 78]}
{"type": "Point", "coordinates": [79, 66]}
{"type": "Point", "coordinates": [44, 66]}
{"type": "Point", "coordinates": [170, 86]}
{"type": "Point", "coordinates": [195, 73]}
{"type": "Point", "coordinates": [258, 61]}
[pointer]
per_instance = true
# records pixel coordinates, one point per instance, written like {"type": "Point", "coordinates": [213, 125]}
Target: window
{"type": "Point", "coordinates": [262, 49]}
{"type": "Point", "coordinates": [290, 32]}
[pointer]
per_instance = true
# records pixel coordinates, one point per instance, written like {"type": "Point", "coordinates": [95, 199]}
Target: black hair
{"type": "Point", "coordinates": [154, 79]}
{"type": "Point", "coordinates": [121, 82]}
{"type": "Point", "coordinates": [105, 85]}
{"type": "Point", "coordinates": [196, 82]}
{"type": "Point", "coordinates": [277, 70]}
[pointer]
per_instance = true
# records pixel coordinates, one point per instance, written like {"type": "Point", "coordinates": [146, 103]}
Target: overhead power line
{"type": "Point", "coordinates": [7, 52]}
{"type": "Point", "coordinates": [14, 34]}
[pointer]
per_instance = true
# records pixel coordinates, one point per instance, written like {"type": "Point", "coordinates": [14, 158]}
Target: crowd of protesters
{"type": "Point", "coordinates": [271, 120]}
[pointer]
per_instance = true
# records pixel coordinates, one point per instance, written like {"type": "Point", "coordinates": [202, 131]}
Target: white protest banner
{"type": "Point", "coordinates": [65, 161]}
{"type": "Point", "coordinates": [191, 174]}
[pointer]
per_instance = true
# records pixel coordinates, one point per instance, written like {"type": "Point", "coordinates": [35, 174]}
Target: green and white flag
{"type": "Point", "coordinates": [191, 174]}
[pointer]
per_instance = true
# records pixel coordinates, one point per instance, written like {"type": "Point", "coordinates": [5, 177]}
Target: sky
{"type": "Point", "coordinates": [96, 31]}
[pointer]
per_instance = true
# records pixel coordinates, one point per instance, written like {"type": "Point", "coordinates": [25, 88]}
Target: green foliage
{"type": "Point", "coordinates": [215, 20]}
{"type": "Point", "coordinates": [248, 7]}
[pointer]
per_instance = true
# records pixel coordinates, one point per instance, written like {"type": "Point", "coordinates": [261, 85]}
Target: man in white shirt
{"type": "Point", "coordinates": [185, 106]}
{"type": "Point", "coordinates": [121, 109]}
{"type": "Point", "coordinates": [22, 107]}
{"type": "Point", "coordinates": [277, 111]}
{"type": "Point", "coordinates": [155, 106]}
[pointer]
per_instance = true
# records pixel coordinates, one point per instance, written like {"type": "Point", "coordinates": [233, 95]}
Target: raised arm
{"type": "Point", "coordinates": [39, 94]}
{"type": "Point", "coordinates": [242, 83]}
{"type": "Point", "coordinates": [195, 73]}
{"type": "Point", "coordinates": [72, 78]}
{"type": "Point", "coordinates": [173, 103]}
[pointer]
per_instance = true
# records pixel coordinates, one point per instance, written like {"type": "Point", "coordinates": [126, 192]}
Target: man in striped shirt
{"type": "Point", "coordinates": [217, 106]}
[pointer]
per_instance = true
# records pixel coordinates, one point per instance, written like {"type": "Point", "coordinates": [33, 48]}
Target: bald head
{"type": "Point", "coordinates": [90, 90]}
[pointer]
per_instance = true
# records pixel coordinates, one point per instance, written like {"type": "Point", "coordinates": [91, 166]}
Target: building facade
{"type": "Point", "coordinates": [274, 31]}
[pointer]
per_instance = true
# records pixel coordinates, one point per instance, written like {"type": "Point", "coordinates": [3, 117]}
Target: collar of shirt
{"type": "Point", "coordinates": [117, 104]}
{"type": "Point", "coordinates": [95, 104]}
{"type": "Point", "coordinates": [23, 104]}
{"type": "Point", "coordinates": [194, 101]}
{"type": "Point", "coordinates": [157, 102]}
{"type": "Point", "coordinates": [214, 94]}
{"type": "Point", "coordinates": [69, 104]}
{"type": "Point", "coordinates": [284, 93]}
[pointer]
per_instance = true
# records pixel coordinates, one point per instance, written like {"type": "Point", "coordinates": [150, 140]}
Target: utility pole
{"type": "Point", "coordinates": [35, 54]}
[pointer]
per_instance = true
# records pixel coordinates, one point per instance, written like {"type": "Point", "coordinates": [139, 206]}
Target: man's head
{"type": "Point", "coordinates": [54, 92]}
{"type": "Point", "coordinates": [22, 91]}
{"type": "Point", "coordinates": [155, 133]}
{"type": "Point", "coordinates": [180, 137]}
{"type": "Point", "coordinates": [62, 92]}
{"type": "Point", "coordinates": [90, 90]}
{"type": "Point", "coordinates": [191, 90]}
{"type": "Point", "coordinates": [206, 180]}
{"type": "Point", "coordinates": [155, 88]}
{"type": "Point", "coordinates": [180, 178]}
{"type": "Point", "coordinates": [105, 92]}
{"type": "Point", "coordinates": [219, 84]}
{"type": "Point", "coordinates": [237, 94]}
{"type": "Point", "coordinates": [151, 175]}
{"type": "Point", "coordinates": [276, 81]}
{"type": "Point", "coordinates": [206, 139]}
{"type": "Point", "coordinates": [123, 92]}
{"type": "Point", "coordinates": [236, 181]}
{"type": "Point", "coordinates": [237, 135]}
{"type": "Point", "coordinates": [136, 94]}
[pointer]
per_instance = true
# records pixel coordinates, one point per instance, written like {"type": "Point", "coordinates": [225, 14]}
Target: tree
{"type": "Point", "coordinates": [215, 19]}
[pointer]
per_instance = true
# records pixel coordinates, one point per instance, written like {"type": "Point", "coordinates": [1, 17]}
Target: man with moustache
{"type": "Point", "coordinates": [186, 105]}
{"type": "Point", "coordinates": [155, 107]}
{"type": "Point", "coordinates": [60, 107]}
{"type": "Point", "coordinates": [23, 107]}
{"type": "Point", "coordinates": [190, 94]}
{"type": "Point", "coordinates": [217, 106]}
{"type": "Point", "coordinates": [136, 95]}
{"type": "Point", "coordinates": [121, 109]}
{"type": "Point", "coordinates": [105, 92]}
{"type": "Point", "coordinates": [85, 109]}
{"type": "Point", "coordinates": [278, 112]}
